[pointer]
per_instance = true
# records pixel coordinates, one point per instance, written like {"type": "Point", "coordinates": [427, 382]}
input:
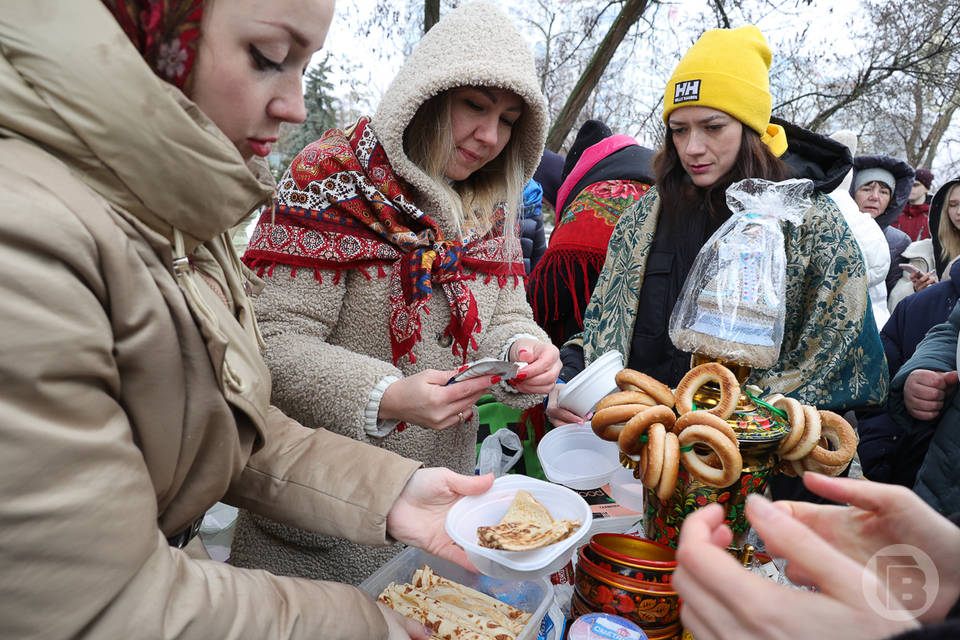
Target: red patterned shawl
{"type": "Point", "coordinates": [340, 206]}
{"type": "Point", "coordinates": [165, 32]}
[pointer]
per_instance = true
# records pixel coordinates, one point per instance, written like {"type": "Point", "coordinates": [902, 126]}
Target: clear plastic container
{"type": "Point", "coordinates": [573, 455]}
{"type": "Point", "coordinates": [590, 385]}
{"type": "Point", "coordinates": [627, 490]}
{"type": "Point", "coordinates": [489, 508]}
{"type": "Point", "coordinates": [533, 596]}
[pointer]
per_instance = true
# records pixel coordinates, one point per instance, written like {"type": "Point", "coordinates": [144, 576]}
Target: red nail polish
{"type": "Point", "coordinates": [463, 368]}
{"type": "Point", "coordinates": [521, 375]}
{"type": "Point", "coordinates": [494, 379]}
{"type": "Point", "coordinates": [521, 351]}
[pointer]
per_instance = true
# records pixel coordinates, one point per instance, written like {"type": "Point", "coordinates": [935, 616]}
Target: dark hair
{"type": "Point", "coordinates": [678, 193]}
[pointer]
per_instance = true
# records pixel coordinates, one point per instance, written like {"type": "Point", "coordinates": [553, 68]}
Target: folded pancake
{"type": "Point", "coordinates": [525, 536]}
{"type": "Point", "coordinates": [452, 610]}
{"type": "Point", "coordinates": [466, 598]}
{"type": "Point", "coordinates": [527, 525]}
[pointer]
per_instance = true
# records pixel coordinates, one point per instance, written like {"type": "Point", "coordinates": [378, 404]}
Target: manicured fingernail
{"type": "Point", "coordinates": [762, 508]}
{"type": "Point", "coordinates": [521, 351]}
{"type": "Point", "coordinates": [521, 375]}
{"type": "Point", "coordinates": [588, 416]}
{"type": "Point", "coordinates": [580, 422]}
{"type": "Point", "coordinates": [494, 379]}
{"type": "Point", "coordinates": [463, 368]}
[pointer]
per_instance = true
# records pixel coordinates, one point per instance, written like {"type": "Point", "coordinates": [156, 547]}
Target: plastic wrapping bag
{"type": "Point", "coordinates": [493, 456]}
{"type": "Point", "coordinates": [732, 305]}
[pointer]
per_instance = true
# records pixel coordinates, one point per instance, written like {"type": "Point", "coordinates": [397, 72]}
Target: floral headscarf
{"type": "Point", "coordinates": [165, 32]}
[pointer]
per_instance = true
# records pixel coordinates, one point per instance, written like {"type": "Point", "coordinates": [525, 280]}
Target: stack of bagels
{"type": "Point", "coordinates": [658, 429]}
{"type": "Point", "coordinates": [819, 440]}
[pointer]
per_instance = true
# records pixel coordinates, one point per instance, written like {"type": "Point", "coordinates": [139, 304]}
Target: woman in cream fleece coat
{"type": "Point", "coordinates": [387, 268]}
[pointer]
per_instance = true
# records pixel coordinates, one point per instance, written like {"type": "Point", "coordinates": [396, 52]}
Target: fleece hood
{"type": "Point", "coordinates": [902, 173]}
{"type": "Point", "coordinates": [72, 83]}
{"type": "Point", "coordinates": [820, 159]}
{"type": "Point", "coordinates": [936, 211]}
{"type": "Point", "coordinates": [476, 45]}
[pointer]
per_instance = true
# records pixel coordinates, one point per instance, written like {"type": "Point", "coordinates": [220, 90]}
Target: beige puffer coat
{"type": "Point", "coordinates": [131, 397]}
{"type": "Point", "coordinates": [328, 343]}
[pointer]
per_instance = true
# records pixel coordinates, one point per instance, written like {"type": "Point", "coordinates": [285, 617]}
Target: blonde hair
{"type": "Point", "coordinates": [947, 232]}
{"type": "Point", "coordinates": [500, 181]}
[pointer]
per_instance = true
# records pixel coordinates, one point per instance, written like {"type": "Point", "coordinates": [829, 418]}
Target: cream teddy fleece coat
{"type": "Point", "coordinates": [328, 344]}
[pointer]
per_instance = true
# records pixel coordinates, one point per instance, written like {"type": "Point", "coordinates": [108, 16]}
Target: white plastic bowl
{"type": "Point", "coordinates": [573, 455]}
{"type": "Point", "coordinates": [627, 490]}
{"type": "Point", "coordinates": [489, 508]}
{"type": "Point", "coordinates": [588, 387]}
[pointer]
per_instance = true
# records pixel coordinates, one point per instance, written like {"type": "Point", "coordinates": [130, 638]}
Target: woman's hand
{"type": "Point", "coordinates": [925, 391]}
{"type": "Point", "coordinates": [880, 515]}
{"type": "Point", "coordinates": [923, 280]}
{"type": "Point", "coordinates": [543, 365]}
{"type": "Point", "coordinates": [401, 627]}
{"type": "Point", "coordinates": [417, 517]}
{"type": "Point", "coordinates": [425, 399]}
{"type": "Point", "coordinates": [557, 415]}
{"type": "Point", "coordinates": [720, 598]}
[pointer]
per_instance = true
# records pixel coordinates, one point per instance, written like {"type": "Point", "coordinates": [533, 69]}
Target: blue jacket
{"type": "Point", "coordinates": [888, 452]}
{"type": "Point", "coordinates": [938, 481]}
{"type": "Point", "coordinates": [533, 240]}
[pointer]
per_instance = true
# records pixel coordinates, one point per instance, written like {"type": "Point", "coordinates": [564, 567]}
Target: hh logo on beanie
{"type": "Point", "coordinates": [686, 91]}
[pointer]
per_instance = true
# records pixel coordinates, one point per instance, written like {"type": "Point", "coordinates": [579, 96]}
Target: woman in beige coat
{"type": "Point", "coordinates": [392, 259]}
{"type": "Point", "coordinates": [132, 390]}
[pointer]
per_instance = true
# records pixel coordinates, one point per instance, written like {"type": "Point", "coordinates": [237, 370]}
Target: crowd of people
{"type": "Point", "coordinates": [149, 372]}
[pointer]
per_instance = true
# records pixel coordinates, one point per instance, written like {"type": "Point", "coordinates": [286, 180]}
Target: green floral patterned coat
{"type": "Point", "coordinates": [831, 356]}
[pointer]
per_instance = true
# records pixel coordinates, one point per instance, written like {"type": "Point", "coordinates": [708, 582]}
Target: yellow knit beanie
{"type": "Point", "coordinates": [729, 70]}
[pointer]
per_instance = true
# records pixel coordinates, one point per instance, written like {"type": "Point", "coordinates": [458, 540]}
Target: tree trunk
{"type": "Point", "coordinates": [628, 16]}
{"type": "Point", "coordinates": [940, 128]}
{"type": "Point", "coordinates": [431, 14]}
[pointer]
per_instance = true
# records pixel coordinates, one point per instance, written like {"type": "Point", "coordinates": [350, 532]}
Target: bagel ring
{"type": "Point", "coordinates": [697, 377]}
{"type": "Point", "coordinates": [809, 464]}
{"type": "Point", "coordinates": [629, 438]}
{"type": "Point", "coordinates": [730, 458]}
{"type": "Point", "coordinates": [810, 437]}
{"type": "Point", "coordinates": [630, 378]}
{"type": "Point", "coordinates": [704, 417]}
{"type": "Point", "coordinates": [671, 465]}
{"type": "Point", "coordinates": [625, 397]}
{"type": "Point", "coordinates": [795, 417]}
{"type": "Point", "coordinates": [651, 458]}
{"type": "Point", "coordinates": [609, 422]}
{"type": "Point", "coordinates": [840, 435]}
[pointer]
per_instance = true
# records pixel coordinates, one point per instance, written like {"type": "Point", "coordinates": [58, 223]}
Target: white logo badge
{"type": "Point", "coordinates": [908, 582]}
{"type": "Point", "coordinates": [688, 91]}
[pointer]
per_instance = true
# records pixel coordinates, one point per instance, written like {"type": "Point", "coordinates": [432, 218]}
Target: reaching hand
{"type": "Point", "coordinates": [925, 391]}
{"type": "Point", "coordinates": [557, 415]}
{"type": "Point", "coordinates": [543, 365]}
{"type": "Point", "coordinates": [923, 280]}
{"type": "Point", "coordinates": [423, 399]}
{"type": "Point", "coordinates": [880, 515]}
{"type": "Point", "coordinates": [417, 517]}
{"type": "Point", "coordinates": [723, 600]}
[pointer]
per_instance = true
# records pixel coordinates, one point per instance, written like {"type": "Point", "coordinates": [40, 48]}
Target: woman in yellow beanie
{"type": "Point", "coordinates": [719, 130]}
